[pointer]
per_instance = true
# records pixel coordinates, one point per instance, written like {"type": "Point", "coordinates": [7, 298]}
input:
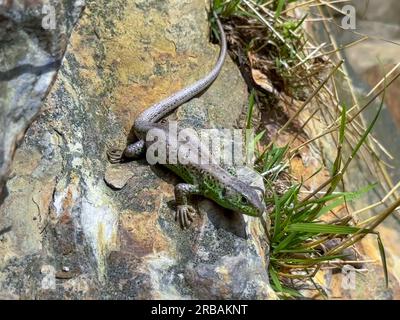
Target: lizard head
{"type": "Point", "coordinates": [243, 198]}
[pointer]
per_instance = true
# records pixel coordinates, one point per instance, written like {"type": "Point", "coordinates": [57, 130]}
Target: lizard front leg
{"type": "Point", "coordinates": [132, 151]}
{"type": "Point", "coordinates": [184, 212]}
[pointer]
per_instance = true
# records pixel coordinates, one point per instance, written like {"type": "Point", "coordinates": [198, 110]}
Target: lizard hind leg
{"type": "Point", "coordinates": [132, 151]}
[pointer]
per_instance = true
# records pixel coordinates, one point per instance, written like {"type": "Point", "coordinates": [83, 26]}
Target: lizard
{"type": "Point", "coordinates": [209, 180]}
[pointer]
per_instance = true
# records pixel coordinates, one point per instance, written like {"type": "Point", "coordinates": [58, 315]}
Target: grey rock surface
{"type": "Point", "coordinates": [83, 228]}
{"type": "Point", "coordinates": [33, 39]}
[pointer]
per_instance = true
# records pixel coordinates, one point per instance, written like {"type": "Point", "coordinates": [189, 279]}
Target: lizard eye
{"type": "Point", "coordinates": [244, 200]}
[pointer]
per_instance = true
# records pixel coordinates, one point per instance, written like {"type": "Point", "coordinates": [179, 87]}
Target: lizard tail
{"type": "Point", "coordinates": [159, 110]}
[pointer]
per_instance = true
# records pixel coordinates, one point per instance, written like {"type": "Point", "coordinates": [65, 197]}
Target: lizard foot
{"type": "Point", "coordinates": [115, 155]}
{"type": "Point", "coordinates": [184, 214]}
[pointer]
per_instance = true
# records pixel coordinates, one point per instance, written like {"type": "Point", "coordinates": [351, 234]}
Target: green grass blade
{"type": "Point", "coordinates": [292, 292]}
{"type": "Point", "coordinates": [311, 261]}
{"type": "Point", "coordinates": [346, 197]}
{"type": "Point", "coordinates": [251, 145]}
{"type": "Point", "coordinates": [277, 220]}
{"type": "Point", "coordinates": [365, 135]}
{"type": "Point", "coordinates": [275, 278]}
{"type": "Point", "coordinates": [324, 228]}
{"type": "Point", "coordinates": [217, 5]}
{"type": "Point", "coordinates": [338, 161]}
{"type": "Point", "coordinates": [301, 21]}
{"type": "Point", "coordinates": [383, 258]}
{"type": "Point", "coordinates": [279, 8]}
{"type": "Point", "coordinates": [251, 108]}
{"type": "Point", "coordinates": [230, 8]}
{"type": "Point", "coordinates": [284, 243]}
{"type": "Point", "coordinates": [298, 250]}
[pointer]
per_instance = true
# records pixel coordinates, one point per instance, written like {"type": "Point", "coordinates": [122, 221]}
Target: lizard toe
{"type": "Point", "coordinates": [191, 214]}
{"type": "Point", "coordinates": [185, 222]}
{"type": "Point", "coordinates": [184, 214]}
{"type": "Point", "coordinates": [114, 155]}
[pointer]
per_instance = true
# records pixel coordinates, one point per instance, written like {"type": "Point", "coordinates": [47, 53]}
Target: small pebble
{"type": "Point", "coordinates": [117, 176]}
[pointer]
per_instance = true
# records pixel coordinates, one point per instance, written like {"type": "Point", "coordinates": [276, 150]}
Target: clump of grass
{"type": "Point", "coordinates": [298, 226]}
{"type": "Point", "coordinates": [262, 37]}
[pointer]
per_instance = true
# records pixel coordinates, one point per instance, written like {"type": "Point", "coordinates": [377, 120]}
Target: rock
{"type": "Point", "coordinates": [117, 176]}
{"type": "Point", "coordinates": [124, 56]}
{"type": "Point", "coordinates": [376, 10]}
{"type": "Point", "coordinates": [34, 36]}
{"type": "Point", "coordinates": [214, 280]}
